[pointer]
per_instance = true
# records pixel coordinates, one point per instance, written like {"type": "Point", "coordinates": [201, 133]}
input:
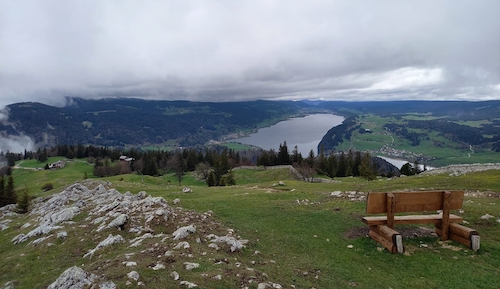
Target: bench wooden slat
{"type": "Point", "coordinates": [413, 219]}
{"type": "Point", "coordinates": [413, 201]}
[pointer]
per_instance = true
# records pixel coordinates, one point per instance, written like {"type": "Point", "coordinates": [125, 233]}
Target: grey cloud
{"type": "Point", "coordinates": [240, 50]}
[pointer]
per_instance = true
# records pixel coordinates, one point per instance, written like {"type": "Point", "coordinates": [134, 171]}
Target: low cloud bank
{"type": "Point", "coordinates": [16, 143]}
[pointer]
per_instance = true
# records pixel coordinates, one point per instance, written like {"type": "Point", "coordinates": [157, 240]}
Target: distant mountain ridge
{"type": "Point", "coordinates": [121, 122]}
{"type": "Point", "coordinates": [134, 122]}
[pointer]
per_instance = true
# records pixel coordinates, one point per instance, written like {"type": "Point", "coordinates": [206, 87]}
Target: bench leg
{"type": "Point", "coordinates": [387, 237]}
{"type": "Point", "coordinates": [463, 235]}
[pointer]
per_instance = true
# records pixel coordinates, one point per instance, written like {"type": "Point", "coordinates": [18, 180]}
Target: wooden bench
{"type": "Point", "coordinates": [447, 227]}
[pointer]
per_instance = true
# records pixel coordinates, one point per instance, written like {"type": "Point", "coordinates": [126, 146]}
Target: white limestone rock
{"type": "Point", "coordinates": [134, 275]}
{"type": "Point", "coordinates": [235, 245]}
{"type": "Point", "coordinates": [186, 190]}
{"type": "Point", "coordinates": [72, 278]}
{"type": "Point", "coordinates": [118, 222]}
{"type": "Point", "coordinates": [188, 284]}
{"type": "Point", "coordinates": [175, 275]}
{"type": "Point", "coordinates": [486, 217]}
{"type": "Point", "coordinates": [183, 232]}
{"type": "Point", "coordinates": [110, 240]}
{"type": "Point", "coordinates": [182, 245]}
{"type": "Point", "coordinates": [191, 266]}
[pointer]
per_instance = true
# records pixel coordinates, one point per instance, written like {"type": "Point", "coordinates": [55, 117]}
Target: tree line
{"type": "Point", "coordinates": [213, 165]}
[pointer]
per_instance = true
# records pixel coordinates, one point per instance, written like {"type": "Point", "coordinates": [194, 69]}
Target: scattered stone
{"type": "Point", "coordinates": [107, 285]}
{"type": "Point", "coordinates": [175, 275]}
{"type": "Point", "coordinates": [158, 266]}
{"type": "Point", "coordinates": [487, 217]}
{"type": "Point", "coordinates": [183, 232]}
{"type": "Point", "coordinates": [138, 241]}
{"type": "Point", "coordinates": [337, 194]}
{"type": "Point", "coordinates": [110, 240]}
{"type": "Point", "coordinates": [218, 277]}
{"type": "Point", "coordinates": [235, 245]}
{"type": "Point", "coordinates": [214, 246]}
{"type": "Point", "coordinates": [269, 285]}
{"type": "Point", "coordinates": [62, 235]}
{"type": "Point", "coordinates": [129, 264]}
{"type": "Point", "coordinates": [74, 277]}
{"type": "Point", "coordinates": [176, 201]}
{"type": "Point", "coordinates": [191, 266]}
{"type": "Point", "coordinates": [9, 285]}
{"type": "Point", "coordinates": [3, 224]}
{"type": "Point", "coordinates": [350, 246]}
{"type": "Point", "coordinates": [186, 190]}
{"type": "Point", "coordinates": [182, 245]}
{"type": "Point", "coordinates": [188, 284]}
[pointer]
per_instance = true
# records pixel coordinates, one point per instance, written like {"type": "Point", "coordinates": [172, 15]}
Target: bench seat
{"type": "Point", "coordinates": [412, 219]}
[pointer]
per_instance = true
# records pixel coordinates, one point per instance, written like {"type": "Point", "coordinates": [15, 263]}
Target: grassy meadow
{"type": "Point", "coordinates": [306, 238]}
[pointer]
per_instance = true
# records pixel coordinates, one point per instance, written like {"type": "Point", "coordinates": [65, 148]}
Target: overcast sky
{"type": "Point", "coordinates": [258, 49]}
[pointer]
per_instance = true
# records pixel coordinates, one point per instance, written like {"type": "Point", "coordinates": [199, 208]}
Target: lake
{"type": "Point", "coordinates": [303, 132]}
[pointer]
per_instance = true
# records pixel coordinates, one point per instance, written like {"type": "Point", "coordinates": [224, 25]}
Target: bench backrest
{"type": "Point", "coordinates": [413, 201]}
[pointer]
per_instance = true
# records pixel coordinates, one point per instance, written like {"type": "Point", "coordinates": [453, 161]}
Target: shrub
{"type": "Point", "coordinates": [47, 187]}
{"type": "Point", "coordinates": [23, 202]}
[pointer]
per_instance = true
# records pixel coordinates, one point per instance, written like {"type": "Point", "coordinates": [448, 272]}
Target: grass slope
{"type": "Point", "coordinates": [438, 150]}
{"type": "Point", "coordinates": [302, 232]}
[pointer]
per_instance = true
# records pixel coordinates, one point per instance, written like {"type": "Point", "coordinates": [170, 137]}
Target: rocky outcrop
{"type": "Point", "coordinates": [103, 220]}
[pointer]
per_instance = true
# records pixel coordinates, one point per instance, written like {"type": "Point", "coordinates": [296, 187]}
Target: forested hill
{"type": "Point", "coordinates": [122, 122]}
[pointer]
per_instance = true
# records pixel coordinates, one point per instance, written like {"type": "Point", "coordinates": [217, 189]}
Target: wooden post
{"type": "Point", "coordinates": [463, 231]}
{"type": "Point", "coordinates": [390, 210]}
{"type": "Point", "coordinates": [445, 223]}
{"type": "Point", "coordinates": [390, 235]}
{"type": "Point", "coordinates": [462, 235]}
{"type": "Point", "coordinates": [387, 244]}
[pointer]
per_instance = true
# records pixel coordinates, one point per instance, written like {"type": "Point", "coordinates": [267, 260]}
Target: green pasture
{"type": "Point", "coordinates": [441, 150]}
{"type": "Point", "coordinates": [33, 164]}
{"type": "Point", "coordinates": [305, 237]}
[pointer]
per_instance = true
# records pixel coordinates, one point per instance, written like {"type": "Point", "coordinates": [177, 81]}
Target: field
{"type": "Point", "coordinates": [433, 150]}
{"type": "Point", "coordinates": [306, 237]}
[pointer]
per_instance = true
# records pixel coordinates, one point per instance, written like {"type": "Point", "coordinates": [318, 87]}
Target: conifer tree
{"type": "Point", "coordinates": [296, 156]}
{"type": "Point", "coordinates": [9, 192]}
{"type": "Point", "coordinates": [366, 169]}
{"type": "Point", "coordinates": [211, 179]}
{"type": "Point", "coordinates": [322, 162]}
{"type": "Point", "coordinates": [2, 192]}
{"type": "Point", "coordinates": [283, 155]}
{"type": "Point", "coordinates": [310, 159]}
{"type": "Point", "coordinates": [342, 165]}
{"type": "Point", "coordinates": [23, 203]}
